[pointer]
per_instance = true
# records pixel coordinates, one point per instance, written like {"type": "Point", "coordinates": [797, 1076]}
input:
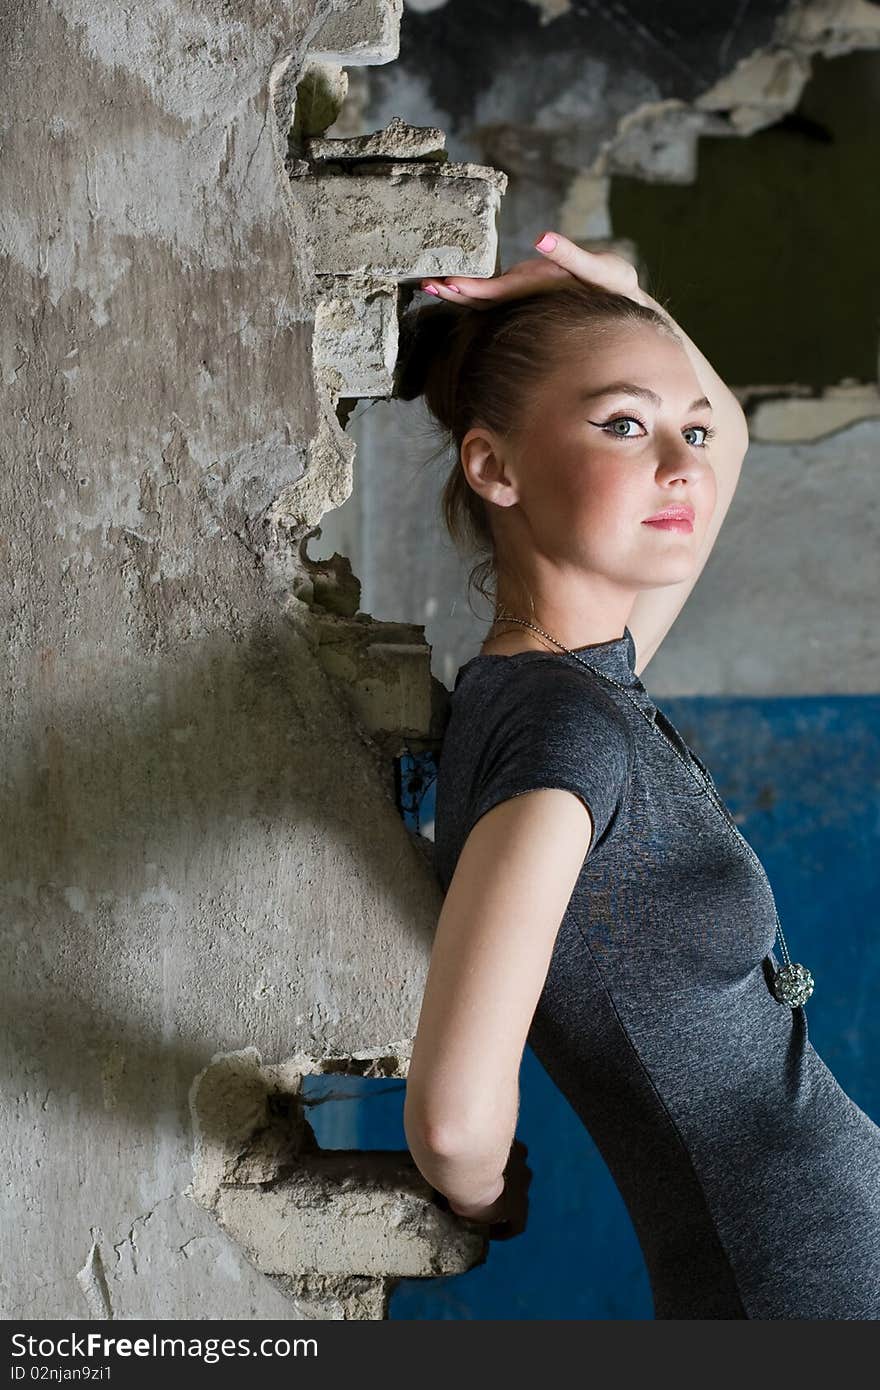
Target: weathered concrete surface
{"type": "Point", "coordinates": [780, 420]}
{"type": "Point", "coordinates": [374, 223]}
{"type": "Point", "coordinates": [564, 106]}
{"type": "Point", "coordinates": [377, 222]}
{"type": "Point", "coordinates": [334, 1230]}
{"type": "Point", "coordinates": [200, 852]}
{"type": "Point", "coordinates": [787, 603]}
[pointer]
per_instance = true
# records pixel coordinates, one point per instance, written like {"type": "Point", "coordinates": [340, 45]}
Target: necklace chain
{"type": "Point", "coordinates": [793, 984]}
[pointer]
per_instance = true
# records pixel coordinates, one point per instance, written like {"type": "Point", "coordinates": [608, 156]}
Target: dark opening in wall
{"type": "Point", "coordinates": [769, 258]}
{"type": "Point", "coordinates": [355, 1112]}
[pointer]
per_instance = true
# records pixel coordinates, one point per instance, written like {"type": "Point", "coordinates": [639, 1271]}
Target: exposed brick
{"type": "Point", "coordinates": [404, 219]}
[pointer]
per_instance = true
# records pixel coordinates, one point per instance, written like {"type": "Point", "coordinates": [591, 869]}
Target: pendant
{"type": "Point", "coordinates": [793, 985]}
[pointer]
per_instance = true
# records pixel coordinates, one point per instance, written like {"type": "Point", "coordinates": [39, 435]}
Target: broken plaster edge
{"type": "Point", "coordinates": [821, 28]}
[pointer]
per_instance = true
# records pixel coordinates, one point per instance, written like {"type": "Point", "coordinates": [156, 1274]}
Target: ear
{"type": "Point", "coordinates": [489, 470]}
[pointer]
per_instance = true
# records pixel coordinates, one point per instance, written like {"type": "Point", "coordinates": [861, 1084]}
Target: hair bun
{"type": "Point", "coordinates": [426, 335]}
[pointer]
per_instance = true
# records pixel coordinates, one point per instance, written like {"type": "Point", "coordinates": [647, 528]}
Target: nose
{"type": "Point", "coordinates": [680, 460]}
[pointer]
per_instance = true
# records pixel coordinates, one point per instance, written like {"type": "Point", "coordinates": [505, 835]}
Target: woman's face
{"type": "Point", "coordinates": [590, 464]}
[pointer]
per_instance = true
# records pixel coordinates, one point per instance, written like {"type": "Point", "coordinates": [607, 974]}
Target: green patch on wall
{"type": "Point", "coordinates": [768, 260]}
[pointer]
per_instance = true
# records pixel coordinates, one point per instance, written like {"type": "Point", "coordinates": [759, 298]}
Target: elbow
{"type": "Point", "coordinates": [427, 1135]}
{"type": "Point", "coordinates": [469, 1130]}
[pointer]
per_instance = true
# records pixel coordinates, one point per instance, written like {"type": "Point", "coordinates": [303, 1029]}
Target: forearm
{"type": "Point", "coordinates": [725, 405]}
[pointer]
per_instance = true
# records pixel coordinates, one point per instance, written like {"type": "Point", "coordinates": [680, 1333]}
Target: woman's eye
{"type": "Point", "coordinates": [619, 428]}
{"type": "Point", "coordinates": [611, 426]}
{"type": "Point", "coordinates": [700, 429]}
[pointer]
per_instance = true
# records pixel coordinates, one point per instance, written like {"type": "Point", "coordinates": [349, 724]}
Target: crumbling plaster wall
{"type": "Point", "coordinates": [207, 887]}
{"type": "Point", "coordinates": [208, 891]}
{"type": "Point", "coordinates": [565, 100]}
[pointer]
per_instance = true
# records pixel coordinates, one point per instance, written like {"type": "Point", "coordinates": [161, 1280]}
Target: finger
{"type": "Point", "coordinates": [598, 267]}
{"type": "Point", "coordinates": [534, 274]}
{"type": "Point", "coordinates": [437, 289]}
{"type": "Point", "coordinates": [558, 249]}
{"type": "Point", "coordinates": [467, 288]}
{"type": "Point", "coordinates": [528, 277]}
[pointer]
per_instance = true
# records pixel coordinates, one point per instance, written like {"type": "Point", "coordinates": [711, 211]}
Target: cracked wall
{"type": "Point", "coordinates": [202, 852]}
{"type": "Point", "coordinates": [208, 888]}
{"type": "Point", "coordinates": [600, 116]}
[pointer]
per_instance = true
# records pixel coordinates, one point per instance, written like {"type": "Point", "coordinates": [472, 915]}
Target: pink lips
{"type": "Point", "coordinates": [678, 518]}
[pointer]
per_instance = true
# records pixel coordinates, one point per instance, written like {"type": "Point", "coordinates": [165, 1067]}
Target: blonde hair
{"type": "Point", "coordinates": [479, 367]}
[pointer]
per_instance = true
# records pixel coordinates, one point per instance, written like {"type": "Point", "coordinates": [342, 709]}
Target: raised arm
{"type": "Point", "coordinates": [655, 610]}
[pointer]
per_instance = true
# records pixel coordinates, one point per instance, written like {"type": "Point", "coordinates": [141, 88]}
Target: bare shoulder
{"type": "Point", "coordinates": [523, 854]}
{"type": "Point", "coordinates": [533, 819]}
{"type": "Point", "coordinates": [491, 953]}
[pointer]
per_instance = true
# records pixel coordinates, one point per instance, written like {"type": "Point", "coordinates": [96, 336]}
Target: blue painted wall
{"type": "Point", "coordinates": [802, 777]}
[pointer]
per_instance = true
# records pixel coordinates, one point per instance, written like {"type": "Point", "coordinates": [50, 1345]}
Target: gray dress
{"type": "Point", "coordinates": [751, 1177]}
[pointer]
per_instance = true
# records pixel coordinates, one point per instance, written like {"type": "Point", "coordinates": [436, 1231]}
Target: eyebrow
{"type": "Point", "coordinates": [629, 388]}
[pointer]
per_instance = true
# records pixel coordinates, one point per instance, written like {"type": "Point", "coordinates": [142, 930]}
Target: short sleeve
{"type": "Point", "coordinates": [550, 726]}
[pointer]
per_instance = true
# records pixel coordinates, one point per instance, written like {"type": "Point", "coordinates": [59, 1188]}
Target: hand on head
{"type": "Point", "coordinates": [553, 267]}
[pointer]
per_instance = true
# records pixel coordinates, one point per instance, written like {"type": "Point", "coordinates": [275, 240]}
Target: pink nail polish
{"type": "Point", "coordinates": [431, 289]}
{"type": "Point", "coordinates": [454, 287]}
{"type": "Point", "coordinates": [547, 242]}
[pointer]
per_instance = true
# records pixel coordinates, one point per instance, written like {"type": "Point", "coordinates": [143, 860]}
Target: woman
{"type": "Point", "coordinates": [599, 901]}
